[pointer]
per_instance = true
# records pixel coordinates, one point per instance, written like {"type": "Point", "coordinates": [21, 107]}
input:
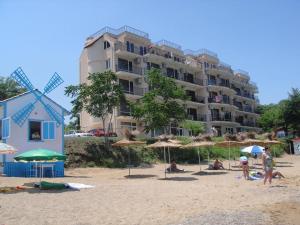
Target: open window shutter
{"type": "Point", "coordinates": [51, 130]}
{"type": "Point", "coordinates": [5, 128]}
{"type": "Point", "coordinates": [45, 130]}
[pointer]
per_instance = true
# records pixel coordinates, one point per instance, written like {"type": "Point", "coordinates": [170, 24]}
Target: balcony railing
{"type": "Point", "coordinates": [169, 44]}
{"type": "Point", "coordinates": [136, 50]}
{"type": "Point", "coordinates": [124, 112]}
{"type": "Point", "coordinates": [221, 118]}
{"type": "Point", "coordinates": [248, 123]}
{"type": "Point", "coordinates": [221, 101]}
{"type": "Point", "coordinates": [120, 31]}
{"type": "Point", "coordinates": [199, 99]}
{"type": "Point", "coordinates": [135, 91]}
{"type": "Point", "coordinates": [198, 117]}
{"type": "Point", "coordinates": [130, 69]}
{"type": "Point", "coordinates": [182, 78]}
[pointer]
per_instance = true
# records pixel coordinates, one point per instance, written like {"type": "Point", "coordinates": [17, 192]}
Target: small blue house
{"type": "Point", "coordinates": [37, 129]}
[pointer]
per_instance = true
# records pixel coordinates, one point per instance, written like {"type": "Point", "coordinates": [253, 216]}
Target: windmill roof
{"type": "Point", "coordinates": [66, 112]}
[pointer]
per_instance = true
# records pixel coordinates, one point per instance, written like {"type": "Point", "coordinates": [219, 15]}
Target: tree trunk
{"type": "Point", "coordinates": [105, 133]}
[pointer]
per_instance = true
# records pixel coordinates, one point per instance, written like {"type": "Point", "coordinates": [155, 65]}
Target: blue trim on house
{"type": "Point", "coordinates": [62, 134]}
{"type": "Point", "coordinates": [4, 104]}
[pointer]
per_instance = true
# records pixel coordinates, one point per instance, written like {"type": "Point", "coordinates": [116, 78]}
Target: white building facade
{"type": "Point", "coordinates": [220, 97]}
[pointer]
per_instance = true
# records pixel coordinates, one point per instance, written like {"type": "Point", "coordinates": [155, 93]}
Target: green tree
{"type": "Point", "coordinates": [98, 98]}
{"type": "Point", "coordinates": [74, 123]}
{"type": "Point", "coordinates": [195, 127]}
{"type": "Point", "coordinates": [271, 116]}
{"type": "Point", "coordinates": [162, 105]}
{"type": "Point", "coordinates": [291, 112]}
{"type": "Point", "coordinates": [9, 88]}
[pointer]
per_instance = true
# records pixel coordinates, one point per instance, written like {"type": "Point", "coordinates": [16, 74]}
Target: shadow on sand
{"type": "Point", "coordinates": [205, 173]}
{"type": "Point", "coordinates": [179, 178]}
{"type": "Point", "coordinates": [140, 176]}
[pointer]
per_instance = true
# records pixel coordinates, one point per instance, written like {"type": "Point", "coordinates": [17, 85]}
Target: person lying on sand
{"type": "Point", "coordinates": [262, 175]}
{"type": "Point", "coordinates": [173, 167]}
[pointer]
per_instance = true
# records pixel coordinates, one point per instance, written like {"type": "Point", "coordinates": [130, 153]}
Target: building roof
{"type": "Point", "coordinates": [66, 112]}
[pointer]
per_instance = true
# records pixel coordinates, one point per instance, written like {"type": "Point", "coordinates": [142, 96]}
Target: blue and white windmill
{"type": "Point", "coordinates": [20, 116]}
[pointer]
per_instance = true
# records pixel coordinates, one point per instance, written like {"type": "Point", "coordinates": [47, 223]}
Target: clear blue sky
{"type": "Point", "coordinates": [261, 37]}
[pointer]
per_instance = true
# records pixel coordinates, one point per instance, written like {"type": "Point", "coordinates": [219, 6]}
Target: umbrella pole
{"type": "Point", "coordinates": [165, 162]}
{"type": "Point", "coordinates": [229, 157]}
{"type": "Point", "coordinates": [129, 161]}
{"type": "Point", "coordinates": [199, 159]}
{"type": "Point", "coordinates": [169, 155]}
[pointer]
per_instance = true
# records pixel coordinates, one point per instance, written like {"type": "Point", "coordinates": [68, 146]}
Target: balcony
{"type": "Point", "coordinates": [129, 71]}
{"type": "Point", "coordinates": [226, 118]}
{"type": "Point", "coordinates": [124, 112]}
{"type": "Point", "coordinates": [198, 99]}
{"type": "Point", "coordinates": [133, 91]}
{"type": "Point", "coordinates": [123, 49]}
{"type": "Point", "coordinates": [248, 124]}
{"type": "Point", "coordinates": [197, 117]}
{"type": "Point", "coordinates": [220, 100]}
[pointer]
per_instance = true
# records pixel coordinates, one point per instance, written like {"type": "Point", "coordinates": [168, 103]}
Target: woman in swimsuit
{"type": "Point", "coordinates": [267, 160]}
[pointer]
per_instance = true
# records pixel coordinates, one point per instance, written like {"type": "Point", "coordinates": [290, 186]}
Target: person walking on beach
{"type": "Point", "coordinates": [245, 166]}
{"type": "Point", "coordinates": [267, 161]}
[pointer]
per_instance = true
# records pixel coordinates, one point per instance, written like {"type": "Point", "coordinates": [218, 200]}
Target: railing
{"type": "Point", "coordinates": [211, 82]}
{"type": "Point", "coordinates": [124, 112]}
{"type": "Point", "coordinates": [202, 51]}
{"type": "Point", "coordinates": [248, 124]}
{"type": "Point", "coordinates": [225, 65]}
{"type": "Point", "coordinates": [122, 47]}
{"type": "Point", "coordinates": [130, 69]}
{"type": "Point", "coordinates": [193, 81]}
{"type": "Point", "coordinates": [221, 101]}
{"type": "Point", "coordinates": [197, 117]}
{"type": "Point", "coordinates": [199, 99]}
{"type": "Point", "coordinates": [224, 84]}
{"type": "Point", "coordinates": [247, 109]}
{"type": "Point", "coordinates": [221, 118]}
{"type": "Point", "coordinates": [169, 44]}
{"type": "Point", "coordinates": [135, 91]}
{"type": "Point", "coordinates": [119, 31]}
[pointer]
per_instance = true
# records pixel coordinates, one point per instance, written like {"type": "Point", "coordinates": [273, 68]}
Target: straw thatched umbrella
{"type": "Point", "coordinates": [200, 144]}
{"type": "Point", "coordinates": [251, 141]}
{"type": "Point", "coordinates": [128, 141]}
{"type": "Point", "coordinates": [164, 144]}
{"type": "Point", "coordinates": [7, 149]}
{"type": "Point", "coordinates": [228, 144]}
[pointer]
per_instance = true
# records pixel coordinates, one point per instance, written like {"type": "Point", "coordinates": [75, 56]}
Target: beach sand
{"type": "Point", "coordinates": [209, 197]}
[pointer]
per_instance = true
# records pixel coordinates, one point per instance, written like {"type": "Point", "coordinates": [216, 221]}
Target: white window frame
{"type": "Point", "coordinates": [9, 128]}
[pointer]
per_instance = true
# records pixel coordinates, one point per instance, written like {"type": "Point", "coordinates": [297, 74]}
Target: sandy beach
{"type": "Point", "coordinates": [208, 197]}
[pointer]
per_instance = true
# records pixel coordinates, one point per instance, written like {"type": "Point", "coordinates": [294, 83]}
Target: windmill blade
{"type": "Point", "coordinates": [20, 77]}
{"type": "Point", "coordinates": [53, 83]}
{"type": "Point", "coordinates": [53, 114]}
{"type": "Point", "coordinates": [21, 116]}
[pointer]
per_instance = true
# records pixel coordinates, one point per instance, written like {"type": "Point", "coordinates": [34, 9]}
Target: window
{"type": "Point", "coordinates": [107, 63]}
{"type": "Point", "coordinates": [35, 130]}
{"type": "Point", "coordinates": [49, 130]}
{"type": "Point", "coordinates": [106, 44]}
{"type": "Point", "coordinates": [5, 128]}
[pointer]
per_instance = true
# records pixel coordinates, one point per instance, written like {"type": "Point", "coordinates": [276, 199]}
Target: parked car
{"type": "Point", "coordinates": [101, 133]}
{"type": "Point", "coordinates": [78, 133]}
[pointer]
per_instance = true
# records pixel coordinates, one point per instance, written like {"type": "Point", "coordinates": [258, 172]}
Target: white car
{"type": "Point", "coordinates": [77, 133]}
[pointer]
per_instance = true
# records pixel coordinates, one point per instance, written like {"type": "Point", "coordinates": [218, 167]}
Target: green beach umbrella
{"type": "Point", "coordinates": [40, 155]}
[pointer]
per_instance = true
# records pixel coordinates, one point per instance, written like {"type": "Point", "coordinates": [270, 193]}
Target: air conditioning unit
{"type": "Point", "coordinates": [137, 60]}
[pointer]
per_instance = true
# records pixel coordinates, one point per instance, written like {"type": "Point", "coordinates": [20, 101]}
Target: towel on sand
{"type": "Point", "coordinates": [78, 186]}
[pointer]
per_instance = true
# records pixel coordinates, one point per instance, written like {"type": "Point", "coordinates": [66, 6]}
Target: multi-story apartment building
{"type": "Point", "coordinates": [219, 97]}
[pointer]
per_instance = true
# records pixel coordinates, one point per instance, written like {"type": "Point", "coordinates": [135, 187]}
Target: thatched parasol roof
{"type": "Point", "coordinates": [229, 144]}
{"type": "Point", "coordinates": [162, 144]}
{"type": "Point", "coordinates": [199, 144]}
